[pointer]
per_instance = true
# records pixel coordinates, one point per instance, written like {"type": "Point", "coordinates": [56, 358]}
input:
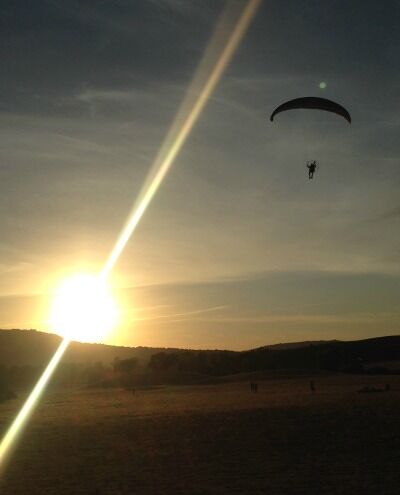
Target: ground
{"type": "Point", "coordinates": [214, 439]}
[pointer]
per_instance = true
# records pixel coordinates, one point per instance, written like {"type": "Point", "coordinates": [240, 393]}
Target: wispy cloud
{"type": "Point", "coordinates": [315, 319]}
{"type": "Point", "coordinates": [110, 95]}
{"type": "Point", "coordinates": [183, 316]}
{"type": "Point", "coordinates": [15, 267]}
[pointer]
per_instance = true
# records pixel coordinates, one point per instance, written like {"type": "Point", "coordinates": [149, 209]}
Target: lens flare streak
{"type": "Point", "coordinates": [27, 408]}
{"type": "Point", "coordinates": [219, 52]}
{"type": "Point", "coordinates": [185, 120]}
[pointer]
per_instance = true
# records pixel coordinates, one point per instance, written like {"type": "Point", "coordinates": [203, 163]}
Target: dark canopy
{"type": "Point", "coordinates": [312, 102]}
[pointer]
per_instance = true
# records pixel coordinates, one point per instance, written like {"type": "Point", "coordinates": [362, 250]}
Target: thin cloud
{"type": "Point", "coordinates": [317, 319]}
{"type": "Point", "coordinates": [15, 267]}
{"type": "Point", "coordinates": [110, 95]}
{"type": "Point", "coordinates": [184, 316]}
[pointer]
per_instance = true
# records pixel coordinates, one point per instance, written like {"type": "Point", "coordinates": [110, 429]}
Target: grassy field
{"type": "Point", "coordinates": [214, 439]}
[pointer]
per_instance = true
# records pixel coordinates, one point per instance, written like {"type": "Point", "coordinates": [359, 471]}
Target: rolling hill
{"type": "Point", "coordinates": [33, 348]}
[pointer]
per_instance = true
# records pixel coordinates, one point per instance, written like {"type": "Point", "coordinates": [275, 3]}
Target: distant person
{"type": "Point", "coordinates": [312, 386]}
{"type": "Point", "coordinates": [312, 166]}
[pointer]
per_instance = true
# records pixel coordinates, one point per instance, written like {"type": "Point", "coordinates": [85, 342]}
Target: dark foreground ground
{"type": "Point", "coordinates": [219, 439]}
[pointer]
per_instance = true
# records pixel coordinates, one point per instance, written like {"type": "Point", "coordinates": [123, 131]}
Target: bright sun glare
{"type": "Point", "coordinates": [83, 309]}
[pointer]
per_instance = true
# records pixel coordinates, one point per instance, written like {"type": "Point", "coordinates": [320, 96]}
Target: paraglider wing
{"type": "Point", "coordinates": [312, 102]}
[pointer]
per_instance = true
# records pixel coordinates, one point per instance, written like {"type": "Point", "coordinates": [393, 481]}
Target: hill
{"type": "Point", "coordinates": [296, 345]}
{"type": "Point", "coordinates": [364, 356]}
{"type": "Point", "coordinates": [20, 348]}
{"type": "Point", "coordinates": [33, 348]}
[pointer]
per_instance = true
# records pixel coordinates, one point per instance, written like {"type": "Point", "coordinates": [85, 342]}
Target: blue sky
{"type": "Point", "coordinates": [238, 248]}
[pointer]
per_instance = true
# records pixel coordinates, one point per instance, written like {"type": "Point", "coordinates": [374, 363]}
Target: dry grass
{"type": "Point", "coordinates": [218, 439]}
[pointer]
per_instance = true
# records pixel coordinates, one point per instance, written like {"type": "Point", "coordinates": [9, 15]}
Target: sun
{"type": "Point", "coordinates": [83, 309]}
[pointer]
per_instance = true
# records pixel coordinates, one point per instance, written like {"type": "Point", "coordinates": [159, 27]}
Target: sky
{"type": "Point", "coordinates": [238, 248]}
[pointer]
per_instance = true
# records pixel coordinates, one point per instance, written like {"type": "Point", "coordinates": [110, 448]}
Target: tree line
{"type": "Point", "coordinates": [191, 366]}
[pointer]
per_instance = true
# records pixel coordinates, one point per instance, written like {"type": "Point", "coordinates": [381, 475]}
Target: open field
{"type": "Point", "coordinates": [214, 439]}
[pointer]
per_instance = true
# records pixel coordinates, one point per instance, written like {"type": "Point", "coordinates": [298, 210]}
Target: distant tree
{"type": "Point", "coordinates": [5, 392]}
{"type": "Point", "coordinates": [95, 374]}
{"type": "Point", "coordinates": [163, 361]}
{"type": "Point", "coordinates": [126, 370]}
{"type": "Point", "coordinates": [115, 363]}
{"type": "Point", "coordinates": [3, 373]}
{"type": "Point", "coordinates": [125, 366]}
